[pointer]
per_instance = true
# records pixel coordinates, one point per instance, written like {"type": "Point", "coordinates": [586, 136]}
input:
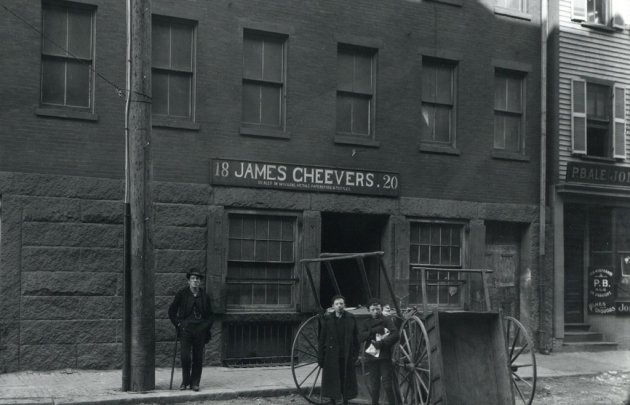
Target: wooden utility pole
{"type": "Point", "coordinates": [139, 307]}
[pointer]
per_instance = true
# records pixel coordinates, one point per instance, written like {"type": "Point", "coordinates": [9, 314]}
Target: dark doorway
{"type": "Point", "coordinates": [351, 233]}
{"type": "Point", "coordinates": [574, 228]}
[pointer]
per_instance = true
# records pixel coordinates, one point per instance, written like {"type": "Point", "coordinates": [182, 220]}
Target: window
{"type": "Point", "coordinates": [598, 11]}
{"type": "Point", "coordinates": [606, 13]}
{"type": "Point", "coordinates": [438, 102]}
{"type": "Point", "coordinates": [67, 56]}
{"type": "Point", "coordinates": [518, 5]}
{"type": "Point", "coordinates": [173, 67]}
{"type": "Point", "coordinates": [355, 90]}
{"type": "Point", "coordinates": [509, 111]}
{"type": "Point", "coordinates": [261, 260]}
{"type": "Point", "coordinates": [435, 245]}
{"type": "Point", "coordinates": [598, 119]}
{"type": "Point", "coordinates": [264, 57]}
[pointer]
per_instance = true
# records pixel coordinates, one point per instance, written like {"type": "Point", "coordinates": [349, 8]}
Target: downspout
{"type": "Point", "coordinates": [544, 30]}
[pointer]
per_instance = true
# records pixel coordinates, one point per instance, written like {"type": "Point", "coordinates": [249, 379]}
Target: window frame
{"type": "Point", "coordinates": [522, 12]}
{"type": "Point", "coordinates": [345, 137]}
{"type": "Point", "coordinates": [170, 120]}
{"type": "Point", "coordinates": [504, 73]}
{"type": "Point", "coordinates": [66, 110]}
{"type": "Point", "coordinates": [259, 129]}
{"type": "Point", "coordinates": [293, 281]}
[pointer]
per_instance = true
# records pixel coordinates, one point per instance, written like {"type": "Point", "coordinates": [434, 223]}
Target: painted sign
{"type": "Point", "coordinates": [622, 308]}
{"type": "Point", "coordinates": [598, 174]}
{"type": "Point", "coordinates": [601, 296]}
{"type": "Point", "coordinates": [242, 173]}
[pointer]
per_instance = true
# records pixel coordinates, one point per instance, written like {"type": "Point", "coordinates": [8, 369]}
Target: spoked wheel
{"type": "Point", "coordinates": [304, 353]}
{"type": "Point", "coordinates": [521, 360]}
{"type": "Point", "coordinates": [412, 363]}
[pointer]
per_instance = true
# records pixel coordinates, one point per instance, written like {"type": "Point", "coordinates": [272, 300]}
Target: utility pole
{"type": "Point", "coordinates": [139, 298]}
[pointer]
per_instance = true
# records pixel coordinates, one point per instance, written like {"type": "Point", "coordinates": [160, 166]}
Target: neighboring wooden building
{"type": "Point", "coordinates": [589, 82]}
{"type": "Point", "coordinates": [281, 129]}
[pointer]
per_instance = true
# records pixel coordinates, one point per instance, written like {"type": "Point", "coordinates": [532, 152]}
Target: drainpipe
{"type": "Point", "coordinates": [544, 28]}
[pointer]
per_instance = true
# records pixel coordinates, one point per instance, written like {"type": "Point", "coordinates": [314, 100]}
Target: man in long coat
{"type": "Point", "coordinates": [191, 313]}
{"type": "Point", "coordinates": [338, 351]}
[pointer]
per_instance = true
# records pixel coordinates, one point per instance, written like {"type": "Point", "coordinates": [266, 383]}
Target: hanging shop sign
{"type": "Point", "coordinates": [242, 173]}
{"type": "Point", "coordinates": [598, 174]}
{"type": "Point", "coordinates": [601, 296]}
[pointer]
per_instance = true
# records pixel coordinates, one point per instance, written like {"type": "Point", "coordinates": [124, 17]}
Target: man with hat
{"type": "Point", "coordinates": [191, 313]}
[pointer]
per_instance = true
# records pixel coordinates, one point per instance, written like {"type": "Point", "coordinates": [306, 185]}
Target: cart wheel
{"type": "Point", "coordinates": [306, 372]}
{"type": "Point", "coordinates": [412, 363]}
{"type": "Point", "coordinates": [521, 360]}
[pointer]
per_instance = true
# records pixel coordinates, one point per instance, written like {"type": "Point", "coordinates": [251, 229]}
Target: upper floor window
{"type": "Point", "coordinates": [355, 90]}
{"type": "Point", "coordinates": [598, 119]}
{"type": "Point", "coordinates": [264, 80]}
{"type": "Point", "coordinates": [438, 101]}
{"type": "Point", "coordinates": [67, 55]}
{"type": "Point", "coordinates": [509, 111]}
{"type": "Point", "coordinates": [173, 67]}
{"type": "Point", "coordinates": [518, 5]}
{"type": "Point", "coordinates": [606, 13]}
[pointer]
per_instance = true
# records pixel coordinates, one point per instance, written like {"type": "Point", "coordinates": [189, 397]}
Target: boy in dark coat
{"type": "Point", "coordinates": [379, 369]}
{"type": "Point", "coordinates": [338, 350]}
{"type": "Point", "coordinates": [191, 313]}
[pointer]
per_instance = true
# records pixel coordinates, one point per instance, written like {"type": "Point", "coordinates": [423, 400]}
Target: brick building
{"type": "Point", "coordinates": [589, 75]}
{"type": "Point", "coordinates": [280, 130]}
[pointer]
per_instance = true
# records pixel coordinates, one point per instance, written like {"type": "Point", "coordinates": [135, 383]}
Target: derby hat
{"type": "Point", "coordinates": [194, 273]}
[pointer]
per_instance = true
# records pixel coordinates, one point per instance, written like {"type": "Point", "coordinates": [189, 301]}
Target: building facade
{"type": "Point", "coordinates": [280, 130]}
{"type": "Point", "coordinates": [589, 77]}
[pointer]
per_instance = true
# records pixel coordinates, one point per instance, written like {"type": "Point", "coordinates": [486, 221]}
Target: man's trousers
{"type": "Point", "coordinates": [193, 339]}
{"type": "Point", "coordinates": [380, 372]}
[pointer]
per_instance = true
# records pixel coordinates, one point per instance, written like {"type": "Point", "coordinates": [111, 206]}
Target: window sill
{"type": "Point", "coordinates": [66, 113]}
{"type": "Point", "coordinates": [600, 27]}
{"type": "Point", "coordinates": [505, 155]}
{"type": "Point", "coordinates": [162, 122]}
{"type": "Point", "coordinates": [434, 148]}
{"type": "Point", "coordinates": [265, 132]}
{"type": "Point", "coordinates": [596, 158]}
{"type": "Point", "coordinates": [457, 3]}
{"type": "Point", "coordinates": [346, 139]}
{"type": "Point", "coordinates": [508, 12]}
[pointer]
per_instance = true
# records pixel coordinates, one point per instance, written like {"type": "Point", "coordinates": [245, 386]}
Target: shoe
{"type": "Point", "coordinates": [183, 387]}
{"type": "Point", "coordinates": [195, 388]}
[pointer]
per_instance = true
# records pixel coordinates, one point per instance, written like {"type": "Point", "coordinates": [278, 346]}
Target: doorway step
{"type": "Point", "coordinates": [578, 337]}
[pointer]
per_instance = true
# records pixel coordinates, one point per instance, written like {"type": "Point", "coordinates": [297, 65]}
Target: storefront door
{"type": "Point", "coordinates": [574, 234]}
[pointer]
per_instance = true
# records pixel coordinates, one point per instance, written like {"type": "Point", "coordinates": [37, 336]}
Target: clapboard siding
{"type": "Point", "coordinates": [586, 52]}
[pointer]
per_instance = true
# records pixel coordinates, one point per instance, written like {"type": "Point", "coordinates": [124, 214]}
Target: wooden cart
{"type": "Point", "coordinates": [442, 357]}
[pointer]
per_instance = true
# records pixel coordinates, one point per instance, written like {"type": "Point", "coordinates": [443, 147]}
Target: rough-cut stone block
{"type": "Point", "coordinates": [50, 259]}
{"type": "Point", "coordinates": [65, 283]}
{"type": "Point", "coordinates": [347, 203]}
{"type": "Point", "coordinates": [9, 355]}
{"type": "Point", "coordinates": [99, 356]}
{"type": "Point", "coordinates": [167, 284]}
{"type": "Point", "coordinates": [84, 235]}
{"type": "Point", "coordinates": [72, 308]}
{"type": "Point", "coordinates": [105, 212]}
{"type": "Point", "coordinates": [162, 303]}
{"type": "Point", "coordinates": [180, 215]}
{"type": "Point", "coordinates": [427, 207]}
{"type": "Point", "coordinates": [58, 331]}
{"type": "Point", "coordinates": [164, 330]}
{"type": "Point", "coordinates": [10, 247]}
{"type": "Point", "coordinates": [51, 210]}
{"type": "Point", "coordinates": [164, 357]}
{"type": "Point", "coordinates": [181, 193]}
{"type": "Point", "coordinates": [47, 357]}
{"type": "Point", "coordinates": [61, 186]}
{"type": "Point", "coordinates": [261, 198]}
{"type": "Point", "coordinates": [173, 237]}
{"type": "Point", "coordinates": [179, 261]}
{"type": "Point", "coordinates": [9, 333]}
{"type": "Point", "coordinates": [101, 260]}
{"type": "Point", "coordinates": [509, 212]}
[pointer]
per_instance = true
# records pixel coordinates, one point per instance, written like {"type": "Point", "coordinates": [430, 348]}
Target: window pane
{"type": "Point", "coordinates": [425, 234]}
{"type": "Point", "coordinates": [53, 80]}
{"type": "Point", "coordinates": [78, 83]}
{"type": "Point", "coordinates": [234, 249]}
{"type": "Point", "coordinates": [261, 251]}
{"type": "Point", "coordinates": [344, 113]}
{"type": "Point", "coordinates": [345, 70]}
{"type": "Point", "coordinates": [274, 251]}
{"type": "Point", "coordinates": [80, 33]}
{"type": "Point", "coordinates": [247, 250]}
{"type": "Point", "coordinates": [251, 103]}
{"type": "Point", "coordinates": [363, 73]}
{"type": "Point", "coordinates": [160, 45]}
{"type": "Point", "coordinates": [435, 255]}
{"type": "Point", "coordinates": [236, 224]}
{"type": "Point", "coordinates": [500, 96]}
{"type": "Point", "coordinates": [428, 115]}
{"type": "Point", "coordinates": [513, 134]}
{"type": "Point", "coordinates": [275, 229]}
{"type": "Point", "coordinates": [287, 251]}
{"type": "Point", "coordinates": [252, 58]}
{"type": "Point", "coordinates": [272, 294]}
{"type": "Point", "coordinates": [287, 229]}
{"type": "Point", "coordinates": [361, 116]}
{"type": "Point", "coordinates": [159, 83]}
{"type": "Point", "coordinates": [181, 46]}
{"type": "Point", "coordinates": [456, 256]}
{"type": "Point", "coordinates": [262, 228]}
{"type": "Point", "coordinates": [259, 294]}
{"type": "Point", "coordinates": [424, 255]}
{"type": "Point", "coordinates": [233, 293]}
{"type": "Point", "coordinates": [414, 234]}
{"type": "Point", "coordinates": [444, 90]}
{"type": "Point", "coordinates": [179, 90]}
{"type": "Point", "coordinates": [273, 60]}
{"type": "Point", "coordinates": [443, 124]}
{"type": "Point", "coordinates": [428, 82]}
{"type": "Point", "coordinates": [514, 95]}
{"type": "Point", "coordinates": [54, 33]}
{"type": "Point", "coordinates": [284, 294]}
{"type": "Point", "coordinates": [597, 101]}
{"type": "Point", "coordinates": [248, 227]}
{"type": "Point", "coordinates": [270, 105]}
{"type": "Point", "coordinates": [499, 132]}
{"type": "Point", "coordinates": [414, 254]}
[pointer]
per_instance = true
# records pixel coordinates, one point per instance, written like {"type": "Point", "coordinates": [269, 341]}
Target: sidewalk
{"type": "Point", "coordinates": [103, 387]}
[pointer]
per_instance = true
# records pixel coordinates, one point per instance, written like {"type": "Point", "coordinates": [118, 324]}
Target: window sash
{"type": "Point", "coordinates": [598, 11]}
{"type": "Point", "coordinates": [355, 90]}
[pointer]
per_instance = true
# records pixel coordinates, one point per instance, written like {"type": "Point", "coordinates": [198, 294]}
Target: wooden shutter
{"type": "Point", "coordinates": [216, 257]}
{"type": "Point", "coordinates": [619, 127]}
{"type": "Point", "coordinates": [311, 248]}
{"type": "Point", "coordinates": [619, 13]}
{"type": "Point", "coordinates": [578, 116]}
{"type": "Point", "coordinates": [578, 11]}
